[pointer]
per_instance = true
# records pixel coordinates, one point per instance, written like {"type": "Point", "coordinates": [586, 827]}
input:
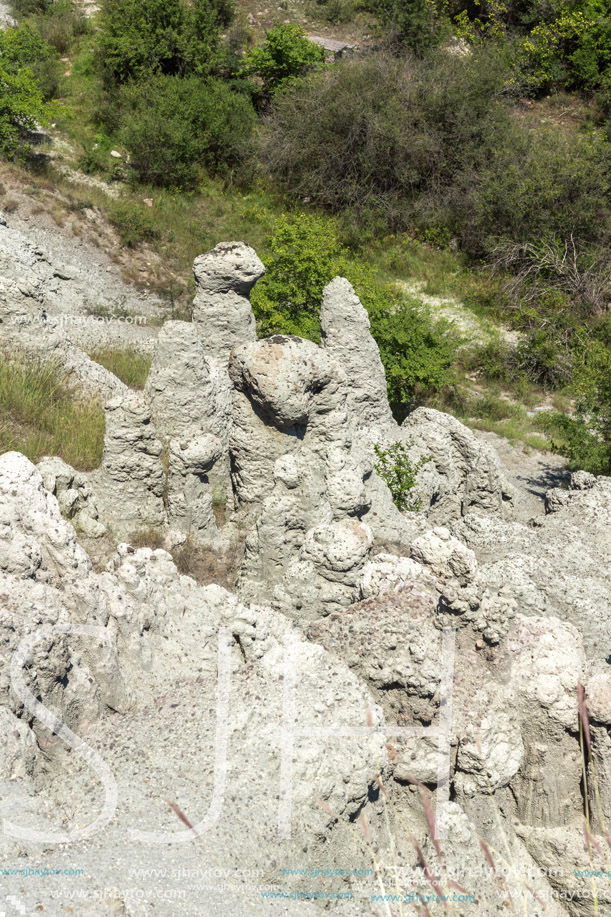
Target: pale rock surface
{"type": "Point", "coordinates": [191, 409]}
{"type": "Point", "coordinates": [470, 477]}
{"type": "Point", "coordinates": [74, 495]}
{"type": "Point", "coordinates": [179, 388]}
{"type": "Point", "coordinates": [189, 492]}
{"type": "Point", "coordinates": [49, 293]}
{"type": "Point", "coordinates": [299, 473]}
{"type": "Point", "coordinates": [463, 473]}
{"type": "Point", "coordinates": [222, 313]}
{"type": "Point", "coordinates": [345, 335]}
{"type": "Point", "coordinates": [129, 485]}
{"type": "Point", "coordinates": [163, 632]}
{"type": "Point", "coordinates": [556, 567]}
{"type": "Point", "coordinates": [599, 697]}
{"type": "Point", "coordinates": [563, 854]}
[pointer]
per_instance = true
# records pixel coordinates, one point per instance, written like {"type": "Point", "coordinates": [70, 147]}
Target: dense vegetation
{"type": "Point", "coordinates": [436, 135]}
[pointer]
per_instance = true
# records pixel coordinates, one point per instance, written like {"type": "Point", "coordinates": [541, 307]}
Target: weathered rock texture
{"type": "Point", "coordinates": [222, 314]}
{"type": "Point", "coordinates": [345, 335]}
{"type": "Point", "coordinates": [74, 495]}
{"type": "Point", "coordinates": [342, 609]}
{"type": "Point", "coordinates": [129, 485]}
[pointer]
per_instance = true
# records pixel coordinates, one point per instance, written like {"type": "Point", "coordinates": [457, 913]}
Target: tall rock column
{"type": "Point", "coordinates": [183, 393]}
{"type": "Point", "coordinates": [345, 335]}
{"type": "Point", "coordinates": [222, 312]}
{"type": "Point", "coordinates": [223, 319]}
{"type": "Point", "coordinates": [129, 485]}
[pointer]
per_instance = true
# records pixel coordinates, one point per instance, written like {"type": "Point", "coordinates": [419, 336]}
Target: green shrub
{"type": "Point", "coordinates": [555, 44]}
{"type": "Point", "coordinates": [400, 474]}
{"type": "Point", "coordinates": [21, 109]}
{"type": "Point", "coordinates": [301, 259]}
{"type": "Point", "coordinates": [418, 24]}
{"type": "Point", "coordinates": [173, 127]}
{"type": "Point", "coordinates": [285, 55]}
{"type": "Point", "coordinates": [574, 437]}
{"type": "Point", "coordinates": [494, 360]}
{"type": "Point", "coordinates": [385, 136]}
{"type": "Point", "coordinates": [21, 48]}
{"type": "Point", "coordinates": [536, 185]}
{"type": "Point", "coordinates": [160, 36]}
{"type": "Point", "coordinates": [417, 354]}
{"type": "Point", "coordinates": [336, 11]}
{"type": "Point", "coordinates": [584, 436]}
{"type": "Point", "coordinates": [433, 145]}
{"type": "Point", "coordinates": [133, 223]}
{"type": "Point", "coordinates": [62, 23]}
{"type": "Point", "coordinates": [30, 7]}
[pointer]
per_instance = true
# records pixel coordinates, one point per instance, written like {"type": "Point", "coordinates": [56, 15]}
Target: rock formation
{"type": "Point", "coordinates": [222, 315]}
{"type": "Point", "coordinates": [353, 633]}
{"type": "Point", "coordinates": [129, 485]}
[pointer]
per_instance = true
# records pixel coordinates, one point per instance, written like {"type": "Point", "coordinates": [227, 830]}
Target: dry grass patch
{"type": "Point", "coordinates": [209, 565]}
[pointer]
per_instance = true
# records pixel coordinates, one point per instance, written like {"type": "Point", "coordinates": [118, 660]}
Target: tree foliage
{"type": "Point", "coordinates": [400, 474]}
{"type": "Point", "coordinates": [434, 144]}
{"type": "Point", "coordinates": [304, 254]}
{"type": "Point", "coordinates": [175, 127]}
{"type": "Point", "coordinates": [285, 55]}
{"type": "Point", "coordinates": [172, 37]}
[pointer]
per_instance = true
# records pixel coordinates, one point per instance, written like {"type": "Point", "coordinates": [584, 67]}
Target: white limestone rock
{"type": "Point", "coordinates": [345, 335]}
{"type": "Point", "coordinates": [222, 313]}
{"type": "Point", "coordinates": [129, 485]}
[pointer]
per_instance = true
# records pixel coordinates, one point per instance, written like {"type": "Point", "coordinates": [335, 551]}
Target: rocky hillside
{"type": "Point", "coordinates": [397, 701]}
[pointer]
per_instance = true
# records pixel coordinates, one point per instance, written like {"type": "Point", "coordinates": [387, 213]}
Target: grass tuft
{"type": "Point", "coordinates": [41, 413]}
{"type": "Point", "coordinates": [128, 365]}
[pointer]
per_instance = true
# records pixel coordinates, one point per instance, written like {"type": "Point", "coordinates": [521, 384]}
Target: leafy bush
{"type": "Point", "coordinates": [554, 43]}
{"type": "Point", "coordinates": [160, 36]}
{"type": "Point", "coordinates": [133, 223]}
{"type": "Point", "coordinates": [400, 474]}
{"type": "Point", "coordinates": [285, 55]}
{"type": "Point", "coordinates": [301, 259]}
{"type": "Point", "coordinates": [417, 355]}
{"type": "Point", "coordinates": [418, 24]}
{"type": "Point", "coordinates": [28, 7]}
{"type": "Point", "coordinates": [434, 144]}
{"type": "Point", "coordinates": [336, 11]}
{"type": "Point", "coordinates": [494, 361]}
{"type": "Point", "coordinates": [173, 127]}
{"type": "Point", "coordinates": [61, 24]}
{"type": "Point", "coordinates": [21, 109]}
{"type": "Point", "coordinates": [585, 436]}
{"type": "Point", "coordinates": [384, 135]}
{"type": "Point", "coordinates": [22, 47]}
{"type": "Point", "coordinates": [539, 184]}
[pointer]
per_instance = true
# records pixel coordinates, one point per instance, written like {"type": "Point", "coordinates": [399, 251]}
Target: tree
{"type": "Point", "coordinates": [21, 109]}
{"type": "Point", "coordinates": [173, 127]}
{"type": "Point", "coordinates": [172, 37]}
{"type": "Point", "coordinates": [285, 55]}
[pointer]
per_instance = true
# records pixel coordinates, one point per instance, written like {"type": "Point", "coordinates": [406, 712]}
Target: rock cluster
{"type": "Point", "coordinates": [353, 632]}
